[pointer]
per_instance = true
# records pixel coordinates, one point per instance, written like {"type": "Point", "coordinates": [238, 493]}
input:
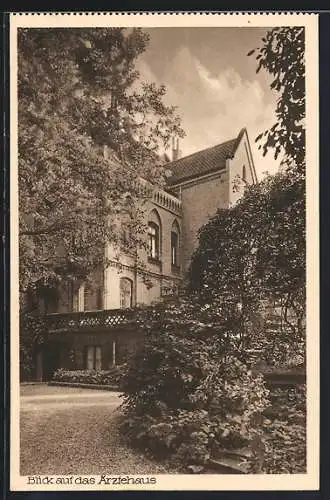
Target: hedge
{"type": "Point", "coordinates": [110, 377]}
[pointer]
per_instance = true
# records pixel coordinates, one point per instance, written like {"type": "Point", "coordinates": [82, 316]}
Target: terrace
{"type": "Point", "coordinates": [98, 320]}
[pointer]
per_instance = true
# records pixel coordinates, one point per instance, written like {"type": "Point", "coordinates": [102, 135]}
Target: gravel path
{"type": "Point", "coordinates": [75, 431]}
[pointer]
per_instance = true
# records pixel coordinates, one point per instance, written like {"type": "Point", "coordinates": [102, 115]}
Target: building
{"type": "Point", "coordinates": [92, 327]}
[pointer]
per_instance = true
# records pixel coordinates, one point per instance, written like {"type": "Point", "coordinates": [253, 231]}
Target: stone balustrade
{"type": "Point", "coordinates": [168, 201]}
{"type": "Point", "coordinates": [98, 320]}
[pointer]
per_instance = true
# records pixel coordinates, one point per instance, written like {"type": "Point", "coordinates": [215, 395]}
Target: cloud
{"type": "Point", "coordinates": [215, 107]}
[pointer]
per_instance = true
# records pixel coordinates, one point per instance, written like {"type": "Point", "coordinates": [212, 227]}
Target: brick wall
{"type": "Point", "coordinates": [167, 218]}
{"type": "Point", "coordinates": [200, 201]}
{"type": "Point", "coordinates": [235, 167]}
{"type": "Point", "coordinates": [149, 283]}
{"type": "Point", "coordinates": [202, 197]}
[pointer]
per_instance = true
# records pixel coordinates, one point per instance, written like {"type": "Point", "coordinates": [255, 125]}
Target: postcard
{"type": "Point", "coordinates": [164, 251]}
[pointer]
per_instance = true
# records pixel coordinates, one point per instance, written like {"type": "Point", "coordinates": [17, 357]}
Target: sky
{"type": "Point", "coordinates": [214, 84]}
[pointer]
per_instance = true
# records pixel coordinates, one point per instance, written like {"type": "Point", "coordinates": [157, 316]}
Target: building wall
{"type": "Point", "coordinates": [235, 168]}
{"type": "Point", "coordinates": [115, 346]}
{"type": "Point", "coordinates": [200, 200]}
{"type": "Point", "coordinates": [195, 202]}
{"type": "Point", "coordinates": [103, 289]}
{"type": "Point", "coordinates": [71, 297]}
{"type": "Point", "coordinates": [65, 298]}
{"type": "Point", "coordinates": [149, 282]}
{"type": "Point", "coordinates": [202, 197]}
{"type": "Point", "coordinates": [167, 218]}
{"type": "Point", "coordinates": [112, 276]}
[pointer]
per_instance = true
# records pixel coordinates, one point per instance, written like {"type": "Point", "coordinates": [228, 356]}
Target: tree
{"type": "Point", "coordinates": [88, 130]}
{"type": "Point", "coordinates": [282, 55]}
{"type": "Point", "coordinates": [254, 253]}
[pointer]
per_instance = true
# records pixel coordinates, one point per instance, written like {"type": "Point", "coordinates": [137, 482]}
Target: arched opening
{"type": "Point", "coordinates": [154, 236]}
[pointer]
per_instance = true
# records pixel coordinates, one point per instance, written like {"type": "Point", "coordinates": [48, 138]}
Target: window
{"type": "Point", "coordinates": [93, 357]}
{"type": "Point", "coordinates": [244, 173]}
{"type": "Point", "coordinates": [153, 240]}
{"type": "Point", "coordinates": [78, 293]}
{"type": "Point", "coordinates": [126, 293]}
{"type": "Point", "coordinates": [51, 300]}
{"type": "Point", "coordinates": [174, 248]}
{"type": "Point", "coordinates": [126, 231]}
{"type": "Point", "coordinates": [175, 245]}
{"type": "Point", "coordinates": [92, 297]}
{"type": "Point", "coordinates": [81, 297]}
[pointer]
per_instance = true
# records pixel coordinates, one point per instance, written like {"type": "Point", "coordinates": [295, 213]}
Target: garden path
{"type": "Point", "coordinates": [67, 431]}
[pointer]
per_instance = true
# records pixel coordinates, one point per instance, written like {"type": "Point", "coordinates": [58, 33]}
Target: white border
{"type": "Point", "coordinates": [308, 481]}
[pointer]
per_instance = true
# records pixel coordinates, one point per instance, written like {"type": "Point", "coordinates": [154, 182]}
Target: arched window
{"type": "Point", "coordinates": [153, 240]}
{"type": "Point", "coordinates": [126, 293]}
{"type": "Point", "coordinates": [175, 244]}
{"type": "Point", "coordinates": [78, 296]}
{"type": "Point", "coordinates": [244, 173]}
{"type": "Point", "coordinates": [154, 236]}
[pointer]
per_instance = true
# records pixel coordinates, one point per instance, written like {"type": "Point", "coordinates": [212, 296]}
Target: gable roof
{"type": "Point", "coordinates": [203, 162]}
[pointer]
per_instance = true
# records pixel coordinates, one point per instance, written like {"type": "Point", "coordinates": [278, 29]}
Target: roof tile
{"type": "Point", "coordinates": [203, 162]}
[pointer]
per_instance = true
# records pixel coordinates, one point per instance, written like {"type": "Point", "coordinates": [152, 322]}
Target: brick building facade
{"type": "Point", "coordinates": [197, 185]}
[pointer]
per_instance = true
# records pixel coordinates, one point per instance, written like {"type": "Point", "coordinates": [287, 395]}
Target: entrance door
{"type": "Point", "coordinates": [52, 359]}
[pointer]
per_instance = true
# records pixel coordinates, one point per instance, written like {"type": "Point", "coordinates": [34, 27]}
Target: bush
{"type": "Point", "coordinates": [187, 397]}
{"type": "Point", "coordinates": [285, 432]}
{"type": "Point", "coordinates": [32, 334]}
{"type": "Point", "coordinates": [96, 377]}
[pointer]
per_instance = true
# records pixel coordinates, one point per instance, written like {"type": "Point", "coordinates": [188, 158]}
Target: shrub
{"type": "Point", "coordinates": [32, 334]}
{"type": "Point", "coordinates": [111, 376]}
{"type": "Point", "coordinates": [187, 396]}
{"type": "Point", "coordinates": [285, 432]}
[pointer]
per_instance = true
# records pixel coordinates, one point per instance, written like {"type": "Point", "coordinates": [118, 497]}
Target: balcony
{"type": "Point", "coordinates": [109, 319]}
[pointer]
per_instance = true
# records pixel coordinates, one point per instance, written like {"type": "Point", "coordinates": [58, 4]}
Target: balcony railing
{"type": "Point", "coordinates": [98, 320]}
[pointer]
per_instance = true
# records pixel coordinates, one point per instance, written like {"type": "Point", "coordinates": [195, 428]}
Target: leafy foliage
{"type": "Point", "coordinates": [285, 432]}
{"type": "Point", "coordinates": [189, 393]}
{"type": "Point", "coordinates": [33, 334]}
{"type": "Point", "coordinates": [111, 376]}
{"type": "Point", "coordinates": [250, 264]}
{"type": "Point", "coordinates": [282, 55]}
{"type": "Point", "coordinates": [88, 129]}
{"type": "Point", "coordinates": [187, 396]}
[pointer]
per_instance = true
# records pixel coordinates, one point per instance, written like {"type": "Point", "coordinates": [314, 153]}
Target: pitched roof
{"type": "Point", "coordinates": [203, 162]}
